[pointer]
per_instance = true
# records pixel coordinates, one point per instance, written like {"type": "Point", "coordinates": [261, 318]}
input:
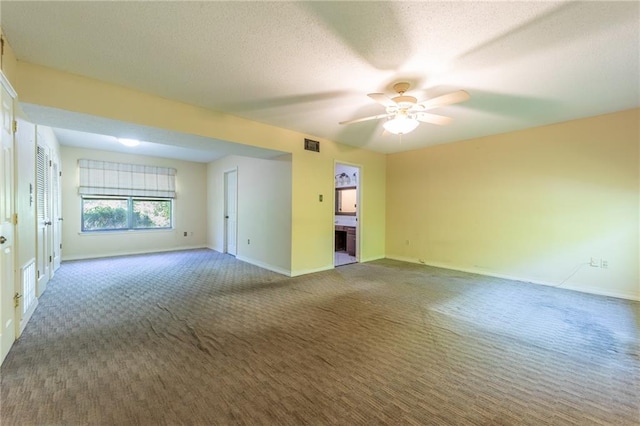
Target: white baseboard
{"type": "Point", "coordinates": [311, 271]}
{"type": "Point", "coordinates": [301, 272]}
{"type": "Point", "coordinates": [265, 265]}
{"type": "Point", "coordinates": [27, 315]}
{"type": "Point", "coordinates": [129, 253]}
{"type": "Point", "coordinates": [582, 289]}
{"type": "Point", "coordinates": [370, 259]}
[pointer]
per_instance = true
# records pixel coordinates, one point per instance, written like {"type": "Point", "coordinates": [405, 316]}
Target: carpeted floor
{"type": "Point", "coordinates": [199, 338]}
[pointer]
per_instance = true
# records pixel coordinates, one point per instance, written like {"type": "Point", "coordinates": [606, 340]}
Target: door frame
{"type": "Point", "coordinates": [26, 233]}
{"type": "Point", "coordinates": [225, 211]}
{"type": "Point", "coordinates": [55, 194]}
{"type": "Point", "coordinates": [44, 243]}
{"type": "Point", "coordinates": [9, 323]}
{"type": "Point", "coordinates": [359, 210]}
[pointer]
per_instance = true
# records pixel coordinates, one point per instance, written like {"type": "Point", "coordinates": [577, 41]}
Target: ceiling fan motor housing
{"type": "Point", "coordinates": [405, 101]}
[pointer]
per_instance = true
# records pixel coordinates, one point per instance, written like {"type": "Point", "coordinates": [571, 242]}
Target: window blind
{"type": "Point", "coordinates": [132, 180]}
{"type": "Point", "coordinates": [42, 182]}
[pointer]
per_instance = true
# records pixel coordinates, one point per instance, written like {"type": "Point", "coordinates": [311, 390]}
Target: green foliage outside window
{"type": "Point", "coordinates": [103, 214]}
{"type": "Point", "coordinates": [151, 214]}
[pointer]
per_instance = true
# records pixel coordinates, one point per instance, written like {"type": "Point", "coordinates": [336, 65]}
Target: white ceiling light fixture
{"type": "Point", "coordinates": [129, 142]}
{"type": "Point", "coordinates": [404, 113]}
{"type": "Point", "coordinates": [401, 124]}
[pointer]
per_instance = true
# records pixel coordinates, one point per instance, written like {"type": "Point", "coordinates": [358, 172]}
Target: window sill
{"type": "Point", "coordinates": [125, 232]}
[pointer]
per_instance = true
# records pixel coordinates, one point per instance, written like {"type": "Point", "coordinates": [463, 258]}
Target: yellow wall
{"type": "Point", "coordinates": [534, 205]}
{"type": "Point", "coordinates": [312, 173]}
{"type": "Point", "coordinates": [9, 62]}
{"type": "Point", "coordinates": [189, 210]}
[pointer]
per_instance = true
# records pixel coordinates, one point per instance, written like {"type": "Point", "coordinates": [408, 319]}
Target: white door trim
{"type": "Point", "coordinates": [8, 283]}
{"type": "Point", "coordinates": [230, 213]}
{"type": "Point", "coordinates": [359, 208]}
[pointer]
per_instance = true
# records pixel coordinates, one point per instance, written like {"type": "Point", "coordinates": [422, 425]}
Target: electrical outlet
{"type": "Point", "coordinates": [248, 241]}
{"type": "Point", "coordinates": [185, 233]}
{"type": "Point", "coordinates": [604, 264]}
{"type": "Point", "coordinates": [320, 197]}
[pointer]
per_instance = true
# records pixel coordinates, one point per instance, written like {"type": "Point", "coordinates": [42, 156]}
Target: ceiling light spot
{"type": "Point", "coordinates": [129, 142]}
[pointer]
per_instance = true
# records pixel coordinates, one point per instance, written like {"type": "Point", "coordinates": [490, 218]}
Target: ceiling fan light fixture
{"type": "Point", "coordinates": [400, 125]}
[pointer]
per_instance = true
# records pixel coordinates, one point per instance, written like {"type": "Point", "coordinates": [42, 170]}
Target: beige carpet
{"type": "Point", "coordinates": [197, 338]}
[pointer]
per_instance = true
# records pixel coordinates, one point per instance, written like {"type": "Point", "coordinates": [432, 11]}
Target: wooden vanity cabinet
{"type": "Point", "coordinates": [341, 238]}
{"type": "Point", "coordinates": [351, 240]}
{"type": "Point", "coordinates": [346, 239]}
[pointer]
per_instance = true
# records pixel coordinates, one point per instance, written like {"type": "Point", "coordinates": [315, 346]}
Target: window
{"type": "Point", "coordinates": [113, 214]}
{"type": "Point", "coordinates": [119, 196]}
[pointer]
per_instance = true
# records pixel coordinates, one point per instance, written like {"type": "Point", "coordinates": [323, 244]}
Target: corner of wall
{"type": "Point", "coordinates": [9, 61]}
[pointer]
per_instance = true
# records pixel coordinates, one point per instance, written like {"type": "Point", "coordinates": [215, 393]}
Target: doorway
{"type": "Point", "coordinates": [346, 214]}
{"type": "Point", "coordinates": [230, 211]}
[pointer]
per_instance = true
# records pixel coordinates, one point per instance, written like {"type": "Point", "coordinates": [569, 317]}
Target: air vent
{"type": "Point", "coordinates": [311, 145]}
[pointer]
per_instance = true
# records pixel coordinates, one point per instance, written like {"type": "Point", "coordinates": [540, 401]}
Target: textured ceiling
{"type": "Point", "coordinates": [308, 65]}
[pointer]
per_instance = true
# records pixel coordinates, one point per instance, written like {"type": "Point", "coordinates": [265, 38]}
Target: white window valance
{"type": "Point", "coordinates": [131, 180]}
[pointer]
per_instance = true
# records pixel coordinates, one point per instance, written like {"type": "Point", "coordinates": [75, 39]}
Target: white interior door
{"type": "Point", "coordinates": [25, 206]}
{"type": "Point", "coordinates": [231, 211]}
{"type": "Point", "coordinates": [56, 204]}
{"type": "Point", "coordinates": [7, 227]}
{"type": "Point", "coordinates": [43, 219]}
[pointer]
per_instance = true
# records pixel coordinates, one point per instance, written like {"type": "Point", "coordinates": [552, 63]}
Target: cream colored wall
{"type": "Point", "coordinates": [189, 210]}
{"type": "Point", "coordinates": [534, 205]}
{"type": "Point", "coordinates": [264, 210]}
{"type": "Point", "coordinates": [312, 173]}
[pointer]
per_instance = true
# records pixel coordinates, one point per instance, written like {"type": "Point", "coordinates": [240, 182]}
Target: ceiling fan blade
{"type": "Point", "coordinates": [357, 120]}
{"type": "Point", "coordinates": [440, 120]}
{"type": "Point", "coordinates": [448, 99]}
{"type": "Point", "coordinates": [382, 99]}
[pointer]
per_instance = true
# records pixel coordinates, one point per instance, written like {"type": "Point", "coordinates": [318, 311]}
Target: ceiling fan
{"type": "Point", "coordinates": [404, 113]}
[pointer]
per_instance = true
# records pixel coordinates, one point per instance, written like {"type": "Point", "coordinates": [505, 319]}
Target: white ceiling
{"type": "Point", "coordinates": [306, 66]}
